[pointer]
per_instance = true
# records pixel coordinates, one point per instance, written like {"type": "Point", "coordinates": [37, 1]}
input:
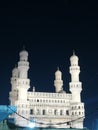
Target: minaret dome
{"type": "Point", "coordinates": [15, 72]}
{"type": "Point", "coordinates": [58, 82]}
{"type": "Point", "coordinates": [58, 72]}
{"type": "Point", "coordinates": [23, 55]}
{"type": "Point", "coordinates": [74, 59]}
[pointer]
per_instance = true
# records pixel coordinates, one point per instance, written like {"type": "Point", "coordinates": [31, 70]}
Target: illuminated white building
{"type": "Point", "coordinates": [58, 109]}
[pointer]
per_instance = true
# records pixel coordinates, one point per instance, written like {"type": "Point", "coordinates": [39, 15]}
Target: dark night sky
{"type": "Point", "coordinates": [50, 31]}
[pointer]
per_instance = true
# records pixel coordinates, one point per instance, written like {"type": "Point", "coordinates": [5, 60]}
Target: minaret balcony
{"type": "Point", "coordinates": [23, 63]}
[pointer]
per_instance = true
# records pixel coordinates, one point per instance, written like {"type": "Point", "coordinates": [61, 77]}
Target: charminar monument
{"type": "Point", "coordinates": [58, 109]}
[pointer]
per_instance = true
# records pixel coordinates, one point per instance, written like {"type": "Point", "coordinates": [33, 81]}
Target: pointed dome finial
{"type": "Point", "coordinates": [58, 72]}
{"type": "Point", "coordinates": [74, 57]}
{"type": "Point", "coordinates": [58, 68]}
{"type": "Point", "coordinates": [73, 52]}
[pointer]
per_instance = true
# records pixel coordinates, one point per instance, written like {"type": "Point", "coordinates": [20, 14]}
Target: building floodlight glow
{"type": "Point", "coordinates": [31, 125]}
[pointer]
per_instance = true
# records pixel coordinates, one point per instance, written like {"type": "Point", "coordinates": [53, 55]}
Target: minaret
{"type": "Point", "coordinates": [77, 107]}
{"type": "Point", "coordinates": [14, 92]}
{"type": "Point", "coordinates": [20, 85]}
{"type": "Point", "coordinates": [58, 82]}
{"type": "Point", "coordinates": [75, 84]}
{"type": "Point", "coordinates": [24, 82]}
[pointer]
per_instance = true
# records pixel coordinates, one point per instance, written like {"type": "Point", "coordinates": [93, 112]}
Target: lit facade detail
{"type": "Point", "coordinates": [58, 109]}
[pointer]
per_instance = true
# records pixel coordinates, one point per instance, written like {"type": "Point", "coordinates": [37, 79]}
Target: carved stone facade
{"type": "Point", "coordinates": [58, 109]}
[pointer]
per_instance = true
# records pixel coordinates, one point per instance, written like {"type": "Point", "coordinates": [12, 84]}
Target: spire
{"type": "Point", "coordinates": [73, 52]}
{"type": "Point", "coordinates": [58, 68]}
{"type": "Point", "coordinates": [58, 72]}
{"type": "Point", "coordinates": [23, 53]}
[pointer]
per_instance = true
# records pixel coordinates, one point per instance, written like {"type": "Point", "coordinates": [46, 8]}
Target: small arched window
{"type": "Point", "coordinates": [43, 112]}
{"type": "Point", "coordinates": [79, 113]}
{"type": "Point", "coordinates": [67, 112]}
{"type": "Point", "coordinates": [31, 111]}
{"type": "Point", "coordinates": [61, 112]}
{"type": "Point", "coordinates": [37, 100]}
{"type": "Point", "coordinates": [55, 112]}
{"type": "Point", "coordinates": [79, 107]}
{"type": "Point", "coordinates": [72, 113]}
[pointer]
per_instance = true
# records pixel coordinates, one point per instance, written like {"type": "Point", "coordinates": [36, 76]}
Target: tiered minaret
{"type": "Point", "coordinates": [23, 66]}
{"type": "Point", "coordinates": [58, 82]}
{"type": "Point", "coordinates": [75, 84]}
{"type": "Point", "coordinates": [14, 91]}
{"type": "Point", "coordinates": [20, 85]}
{"type": "Point", "coordinates": [77, 107]}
